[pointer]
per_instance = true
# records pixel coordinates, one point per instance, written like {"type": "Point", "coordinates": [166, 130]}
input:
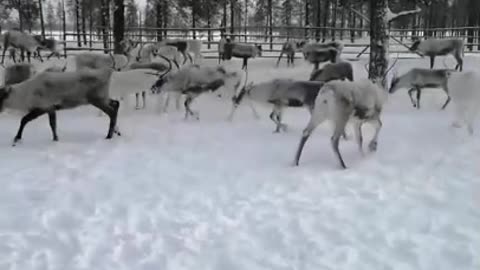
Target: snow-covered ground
{"type": "Point", "coordinates": [173, 194]}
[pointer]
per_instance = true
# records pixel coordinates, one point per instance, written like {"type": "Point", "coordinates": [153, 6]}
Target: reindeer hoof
{"type": "Point", "coordinates": [15, 141]}
{"type": "Point", "coordinates": [55, 139]}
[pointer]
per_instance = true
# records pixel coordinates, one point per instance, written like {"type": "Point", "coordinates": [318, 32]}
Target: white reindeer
{"type": "Point", "coordinates": [341, 101]}
{"type": "Point", "coordinates": [290, 48]}
{"type": "Point", "coordinates": [464, 89]}
{"type": "Point", "coordinates": [48, 92]}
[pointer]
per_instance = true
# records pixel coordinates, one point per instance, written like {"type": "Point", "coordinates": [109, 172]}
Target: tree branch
{"type": "Point", "coordinates": [360, 14]}
{"type": "Point", "coordinates": [393, 16]}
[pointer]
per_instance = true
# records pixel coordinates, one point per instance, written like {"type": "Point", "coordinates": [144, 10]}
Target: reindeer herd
{"type": "Point", "coordinates": [329, 93]}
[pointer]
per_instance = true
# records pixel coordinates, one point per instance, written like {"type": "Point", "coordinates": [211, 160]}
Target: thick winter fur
{"type": "Point", "coordinates": [49, 44]}
{"type": "Point", "coordinates": [242, 50]}
{"type": "Point", "coordinates": [317, 53]}
{"type": "Point", "coordinates": [440, 47]}
{"type": "Point", "coordinates": [221, 49]}
{"type": "Point", "coordinates": [281, 93]}
{"type": "Point", "coordinates": [18, 73]}
{"type": "Point", "coordinates": [290, 48]}
{"type": "Point", "coordinates": [129, 82]}
{"type": "Point", "coordinates": [195, 80]}
{"type": "Point", "coordinates": [418, 78]}
{"type": "Point", "coordinates": [334, 71]}
{"type": "Point", "coordinates": [97, 60]}
{"type": "Point", "coordinates": [48, 92]}
{"type": "Point", "coordinates": [22, 41]}
{"type": "Point", "coordinates": [464, 89]}
{"type": "Point", "coordinates": [138, 52]}
{"type": "Point", "coordinates": [340, 101]}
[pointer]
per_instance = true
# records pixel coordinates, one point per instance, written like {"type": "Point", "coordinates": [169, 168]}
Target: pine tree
{"type": "Point", "coordinates": [118, 25]}
{"type": "Point", "coordinates": [131, 18]}
{"type": "Point", "coordinates": [51, 19]}
{"type": "Point", "coordinates": [378, 40]}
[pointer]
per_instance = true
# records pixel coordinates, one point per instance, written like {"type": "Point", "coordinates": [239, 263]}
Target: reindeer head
{"type": "Point", "coordinates": [127, 45]}
{"type": "Point", "coordinates": [4, 94]}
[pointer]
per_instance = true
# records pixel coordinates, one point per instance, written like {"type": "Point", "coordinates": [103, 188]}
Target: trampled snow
{"type": "Point", "coordinates": [172, 194]}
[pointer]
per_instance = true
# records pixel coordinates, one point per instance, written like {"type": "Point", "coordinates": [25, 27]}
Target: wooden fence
{"type": "Point", "coordinates": [356, 40]}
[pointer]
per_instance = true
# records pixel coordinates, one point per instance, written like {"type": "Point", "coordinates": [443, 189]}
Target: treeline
{"type": "Point", "coordinates": [233, 15]}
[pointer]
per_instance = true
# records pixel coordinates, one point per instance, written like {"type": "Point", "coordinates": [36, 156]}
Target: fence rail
{"type": "Point", "coordinates": [356, 41]}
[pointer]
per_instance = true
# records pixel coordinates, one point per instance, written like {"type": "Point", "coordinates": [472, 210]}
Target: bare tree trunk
{"type": "Point", "coordinates": [334, 19]}
{"type": "Point", "coordinates": [103, 22]}
{"type": "Point", "coordinates": [232, 17]}
{"type": "Point", "coordinates": [90, 24]}
{"type": "Point", "coordinates": [378, 40]}
{"type": "Point", "coordinates": [307, 18]}
{"type": "Point", "coordinates": [118, 25]}
{"type": "Point", "coordinates": [351, 24]}
{"type": "Point", "coordinates": [84, 24]}
{"type": "Point", "coordinates": [360, 33]}
{"type": "Point", "coordinates": [194, 20]}
{"type": "Point", "coordinates": [326, 15]}
{"type": "Point", "coordinates": [342, 23]}
{"type": "Point", "coordinates": [165, 18]}
{"type": "Point", "coordinates": [270, 22]}
{"type": "Point", "coordinates": [245, 20]}
{"type": "Point", "coordinates": [77, 22]}
{"type": "Point", "coordinates": [64, 28]}
{"type": "Point", "coordinates": [318, 20]}
{"type": "Point", "coordinates": [209, 32]}
{"type": "Point", "coordinates": [158, 11]}
{"type": "Point", "coordinates": [42, 23]}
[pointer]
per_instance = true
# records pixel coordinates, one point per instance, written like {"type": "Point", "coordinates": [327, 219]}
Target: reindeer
{"type": "Point", "coordinates": [22, 41]}
{"type": "Point", "coordinates": [334, 71]}
{"type": "Point", "coordinates": [195, 80]}
{"type": "Point", "coordinates": [417, 78]}
{"type": "Point", "coordinates": [317, 53]}
{"type": "Point", "coordinates": [440, 47]}
{"type": "Point", "coordinates": [48, 92]}
{"type": "Point", "coordinates": [341, 101]}
{"type": "Point", "coordinates": [281, 93]}
{"type": "Point", "coordinates": [49, 44]}
{"type": "Point", "coordinates": [289, 48]}
{"type": "Point", "coordinates": [242, 50]}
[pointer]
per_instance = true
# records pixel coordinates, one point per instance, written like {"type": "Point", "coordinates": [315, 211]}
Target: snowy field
{"type": "Point", "coordinates": [172, 194]}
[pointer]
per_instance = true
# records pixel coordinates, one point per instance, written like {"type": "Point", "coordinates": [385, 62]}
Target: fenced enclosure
{"type": "Point", "coordinates": [356, 40]}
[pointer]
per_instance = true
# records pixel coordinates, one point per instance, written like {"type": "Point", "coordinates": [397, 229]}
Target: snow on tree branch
{"type": "Point", "coordinates": [392, 16]}
{"type": "Point", "coordinates": [360, 14]}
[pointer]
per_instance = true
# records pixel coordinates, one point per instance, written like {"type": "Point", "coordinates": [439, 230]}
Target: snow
{"type": "Point", "coordinates": [210, 194]}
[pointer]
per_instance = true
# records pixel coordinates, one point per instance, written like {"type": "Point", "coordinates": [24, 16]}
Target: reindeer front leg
{"type": "Point", "coordinates": [432, 61]}
{"type": "Point", "coordinates": [372, 146]}
{"type": "Point", "coordinates": [245, 62]}
{"type": "Point", "coordinates": [410, 92]}
{"type": "Point", "coordinates": [188, 110]}
{"type": "Point", "coordinates": [419, 93]}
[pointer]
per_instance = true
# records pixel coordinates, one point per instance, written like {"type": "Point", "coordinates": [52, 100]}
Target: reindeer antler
{"type": "Point", "coordinates": [169, 66]}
